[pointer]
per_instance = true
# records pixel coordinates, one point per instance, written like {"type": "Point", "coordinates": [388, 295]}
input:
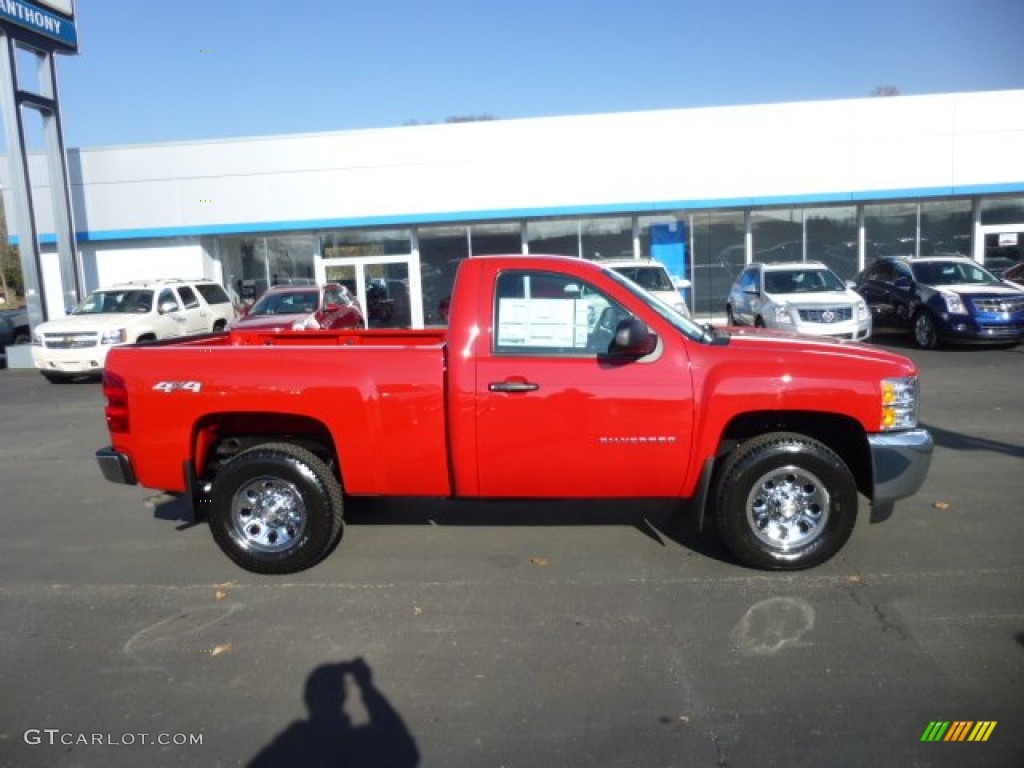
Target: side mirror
{"type": "Point", "coordinates": [752, 291]}
{"type": "Point", "coordinates": [903, 283]}
{"type": "Point", "coordinates": [633, 339]}
{"type": "Point", "coordinates": [332, 308]}
{"type": "Point", "coordinates": [167, 307]}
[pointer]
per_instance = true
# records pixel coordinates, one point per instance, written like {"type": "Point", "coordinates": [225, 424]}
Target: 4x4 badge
{"type": "Point", "coordinates": [175, 386]}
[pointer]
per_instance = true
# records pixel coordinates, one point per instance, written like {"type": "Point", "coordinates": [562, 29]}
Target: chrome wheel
{"type": "Point", "coordinates": [268, 514]}
{"type": "Point", "coordinates": [787, 508]}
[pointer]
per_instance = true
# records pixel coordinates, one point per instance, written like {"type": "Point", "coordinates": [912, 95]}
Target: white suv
{"type": "Point", "coordinates": [652, 276]}
{"type": "Point", "coordinates": [126, 314]}
{"type": "Point", "coordinates": [804, 297]}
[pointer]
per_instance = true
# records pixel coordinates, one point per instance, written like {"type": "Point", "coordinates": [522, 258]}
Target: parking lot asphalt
{"type": "Point", "coordinates": [510, 634]}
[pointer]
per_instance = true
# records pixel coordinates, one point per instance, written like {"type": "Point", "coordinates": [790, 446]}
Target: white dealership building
{"type": "Point", "coordinates": [702, 190]}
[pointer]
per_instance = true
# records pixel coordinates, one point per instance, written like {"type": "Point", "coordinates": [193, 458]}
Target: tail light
{"type": "Point", "coordinates": [116, 392]}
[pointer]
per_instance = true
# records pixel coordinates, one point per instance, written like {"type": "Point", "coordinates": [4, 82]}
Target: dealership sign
{"type": "Point", "coordinates": [58, 27]}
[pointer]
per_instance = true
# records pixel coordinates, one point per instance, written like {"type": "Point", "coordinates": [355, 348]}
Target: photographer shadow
{"type": "Point", "coordinates": [330, 737]}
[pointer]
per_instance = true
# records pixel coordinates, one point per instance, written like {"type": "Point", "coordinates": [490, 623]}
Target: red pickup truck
{"type": "Point", "coordinates": [556, 378]}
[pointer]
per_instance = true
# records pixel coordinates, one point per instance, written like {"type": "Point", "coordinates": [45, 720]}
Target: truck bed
{"type": "Point", "coordinates": [381, 401]}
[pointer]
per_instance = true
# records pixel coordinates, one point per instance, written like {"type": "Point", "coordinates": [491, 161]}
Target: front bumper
{"type": "Point", "coordinates": [116, 466]}
{"type": "Point", "coordinates": [958, 331]}
{"type": "Point", "coordinates": [70, 361]}
{"type": "Point", "coordinates": [900, 461]}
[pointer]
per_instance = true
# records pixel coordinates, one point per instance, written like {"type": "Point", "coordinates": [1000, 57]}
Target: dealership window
{"type": "Point", "coordinates": [891, 228]}
{"type": "Point", "coordinates": [607, 238]}
{"type": "Point", "coordinates": [1002, 210]}
{"type": "Point", "coordinates": [366, 242]}
{"type": "Point", "coordinates": [778, 234]}
{"type": "Point", "coordinates": [1003, 219]}
{"type": "Point", "coordinates": [290, 259]}
{"type": "Point", "coordinates": [252, 264]}
{"type": "Point", "coordinates": [245, 267]}
{"type": "Point", "coordinates": [719, 254]}
{"type": "Point", "coordinates": [946, 226]}
{"type": "Point", "coordinates": [666, 239]}
{"type": "Point", "coordinates": [442, 249]}
{"type": "Point", "coordinates": [496, 239]}
{"type": "Point", "coordinates": [831, 233]}
{"type": "Point", "coordinates": [559, 237]}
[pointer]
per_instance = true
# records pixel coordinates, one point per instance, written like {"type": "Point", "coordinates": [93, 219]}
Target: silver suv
{"type": "Point", "coordinates": [804, 297]}
{"type": "Point", "coordinates": [144, 310]}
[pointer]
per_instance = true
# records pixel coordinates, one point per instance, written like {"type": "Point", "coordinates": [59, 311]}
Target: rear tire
{"type": "Point", "coordinates": [785, 501]}
{"type": "Point", "coordinates": [276, 508]}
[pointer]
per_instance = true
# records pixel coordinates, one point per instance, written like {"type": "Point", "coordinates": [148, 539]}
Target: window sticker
{"type": "Point", "coordinates": [545, 323]}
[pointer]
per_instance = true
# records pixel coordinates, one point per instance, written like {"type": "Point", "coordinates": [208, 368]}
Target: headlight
{"type": "Point", "coordinates": [862, 311]}
{"type": "Point", "coordinates": [899, 403]}
{"type": "Point", "coordinates": [37, 339]}
{"type": "Point", "coordinates": [954, 304]}
{"type": "Point", "coordinates": [782, 314]}
{"type": "Point", "coordinates": [117, 336]}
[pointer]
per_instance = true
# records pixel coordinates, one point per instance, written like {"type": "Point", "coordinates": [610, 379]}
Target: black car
{"type": "Point", "coordinates": [942, 299]}
{"type": "Point", "coordinates": [14, 327]}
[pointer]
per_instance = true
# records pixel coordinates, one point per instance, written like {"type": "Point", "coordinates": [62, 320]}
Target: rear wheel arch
{"type": "Point", "coordinates": [219, 437]}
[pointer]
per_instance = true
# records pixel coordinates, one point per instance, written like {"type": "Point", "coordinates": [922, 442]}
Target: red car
{"type": "Point", "coordinates": [303, 307]}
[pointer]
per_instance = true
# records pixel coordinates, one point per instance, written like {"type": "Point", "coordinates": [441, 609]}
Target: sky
{"type": "Point", "coordinates": [153, 71]}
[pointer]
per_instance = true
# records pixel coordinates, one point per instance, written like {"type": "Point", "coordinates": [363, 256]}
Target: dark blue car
{"type": "Point", "coordinates": [939, 299]}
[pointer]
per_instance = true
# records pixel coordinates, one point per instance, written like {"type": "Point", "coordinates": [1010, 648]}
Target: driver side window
{"type": "Point", "coordinates": [541, 313]}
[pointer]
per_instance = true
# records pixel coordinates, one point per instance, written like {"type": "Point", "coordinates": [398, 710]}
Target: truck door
{"type": "Point", "coordinates": [556, 417]}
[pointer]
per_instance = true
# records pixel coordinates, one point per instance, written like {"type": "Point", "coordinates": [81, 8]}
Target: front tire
{"type": "Point", "coordinates": [785, 501]}
{"type": "Point", "coordinates": [276, 508]}
{"type": "Point", "coordinates": [925, 334]}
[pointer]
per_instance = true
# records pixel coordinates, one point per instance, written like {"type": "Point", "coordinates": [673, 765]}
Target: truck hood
{"type": "Point", "coordinates": [764, 341]}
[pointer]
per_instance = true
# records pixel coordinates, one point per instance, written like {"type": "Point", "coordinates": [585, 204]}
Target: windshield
{"type": "Point", "coordinates": [683, 324]}
{"type": "Point", "coordinates": [648, 278]}
{"type": "Point", "coordinates": [112, 302]}
{"type": "Point", "coordinates": [952, 273]}
{"type": "Point", "coordinates": [802, 281]}
{"type": "Point", "coordinates": [291, 303]}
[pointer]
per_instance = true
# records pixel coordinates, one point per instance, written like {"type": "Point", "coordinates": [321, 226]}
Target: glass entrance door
{"type": "Point", "coordinates": [382, 285]}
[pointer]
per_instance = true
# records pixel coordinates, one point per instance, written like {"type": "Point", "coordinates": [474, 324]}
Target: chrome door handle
{"type": "Point", "coordinates": [512, 386]}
